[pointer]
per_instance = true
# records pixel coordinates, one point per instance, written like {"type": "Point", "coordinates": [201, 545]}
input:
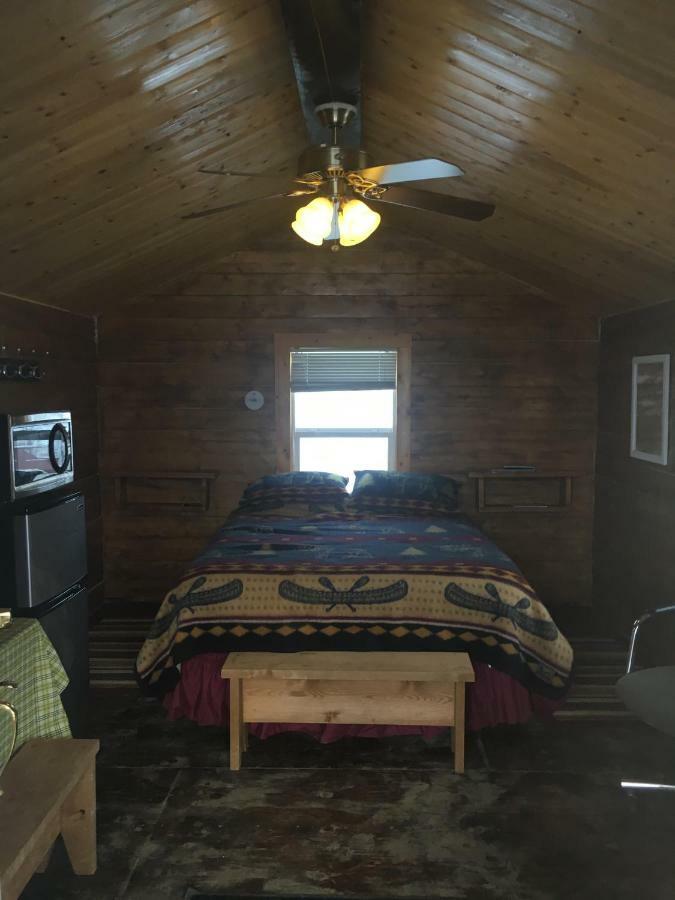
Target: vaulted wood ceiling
{"type": "Point", "coordinates": [560, 112]}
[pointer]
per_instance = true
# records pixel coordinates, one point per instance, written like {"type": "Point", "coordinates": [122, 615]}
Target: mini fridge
{"type": "Point", "coordinates": [49, 571]}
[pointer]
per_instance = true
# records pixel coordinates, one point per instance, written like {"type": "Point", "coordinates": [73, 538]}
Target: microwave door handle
{"type": "Point", "coordinates": [59, 467]}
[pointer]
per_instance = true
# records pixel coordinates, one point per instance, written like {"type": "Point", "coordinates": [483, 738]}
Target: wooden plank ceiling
{"type": "Point", "coordinates": [560, 112]}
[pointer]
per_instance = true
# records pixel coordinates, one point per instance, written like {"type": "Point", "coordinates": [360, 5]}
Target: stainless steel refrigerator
{"type": "Point", "coordinates": [45, 570]}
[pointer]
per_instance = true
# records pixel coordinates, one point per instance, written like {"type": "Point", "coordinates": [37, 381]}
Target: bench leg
{"type": "Point", "coordinates": [78, 824]}
{"type": "Point", "coordinates": [235, 723]}
{"type": "Point", "coordinates": [458, 730]}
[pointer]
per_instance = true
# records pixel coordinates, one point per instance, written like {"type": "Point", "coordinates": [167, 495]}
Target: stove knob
{"type": "Point", "coordinates": [25, 370]}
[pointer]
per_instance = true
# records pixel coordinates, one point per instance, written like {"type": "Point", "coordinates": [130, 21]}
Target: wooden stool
{"type": "Point", "coordinates": [347, 688]}
{"type": "Point", "coordinates": [49, 788]}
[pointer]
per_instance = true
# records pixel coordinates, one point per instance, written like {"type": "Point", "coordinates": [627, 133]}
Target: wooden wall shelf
{"type": "Point", "coordinates": [504, 491]}
{"type": "Point", "coordinates": [176, 490]}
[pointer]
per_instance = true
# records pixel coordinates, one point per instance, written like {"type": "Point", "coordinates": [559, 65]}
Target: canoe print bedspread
{"type": "Point", "coordinates": [344, 582]}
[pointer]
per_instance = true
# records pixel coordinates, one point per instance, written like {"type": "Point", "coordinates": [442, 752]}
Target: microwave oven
{"type": "Point", "coordinates": [36, 453]}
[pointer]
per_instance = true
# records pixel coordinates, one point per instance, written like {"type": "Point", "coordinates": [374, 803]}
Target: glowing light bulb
{"type": "Point", "coordinates": [313, 222]}
{"type": "Point", "coordinates": [357, 222]}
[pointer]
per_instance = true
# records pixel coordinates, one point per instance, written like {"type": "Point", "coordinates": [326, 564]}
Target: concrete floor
{"type": "Point", "coordinates": [539, 814]}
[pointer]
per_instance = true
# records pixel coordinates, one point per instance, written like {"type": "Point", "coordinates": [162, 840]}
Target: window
{"type": "Point", "coordinates": [342, 404]}
{"type": "Point", "coordinates": [341, 431]}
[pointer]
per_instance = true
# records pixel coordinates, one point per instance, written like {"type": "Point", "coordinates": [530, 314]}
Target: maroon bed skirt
{"type": "Point", "coordinates": [495, 699]}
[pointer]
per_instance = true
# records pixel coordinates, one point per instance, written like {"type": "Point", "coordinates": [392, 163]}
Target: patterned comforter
{"type": "Point", "coordinates": [343, 582]}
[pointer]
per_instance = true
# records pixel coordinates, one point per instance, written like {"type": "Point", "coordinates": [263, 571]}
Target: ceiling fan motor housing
{"type": "Point", "coordinates": [328, 159]}
{"type": "Point", "coordinates": [335, 114]}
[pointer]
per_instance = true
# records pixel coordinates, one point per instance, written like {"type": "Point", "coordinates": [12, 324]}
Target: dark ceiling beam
{"type": "Point", "coordinates": [325, 45]}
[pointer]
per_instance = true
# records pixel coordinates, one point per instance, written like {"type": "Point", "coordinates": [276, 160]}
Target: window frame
{"type": "Point", "coordinates": [284, 344]}
{"type": "Point", "coordinates": [389, 433]}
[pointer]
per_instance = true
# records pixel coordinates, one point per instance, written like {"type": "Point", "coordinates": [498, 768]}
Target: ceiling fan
{"type": "Point", "coordinates": [336, 171]}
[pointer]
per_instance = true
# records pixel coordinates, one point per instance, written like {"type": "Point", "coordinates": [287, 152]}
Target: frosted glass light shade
{"type": "Point", "coordinates": [357, 222]}
{"type": "Point", "coordinates": [313, 222]}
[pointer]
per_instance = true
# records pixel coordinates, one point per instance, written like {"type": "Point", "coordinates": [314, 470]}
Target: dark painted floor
{"type": "Point", "coordinates": [539, 814]}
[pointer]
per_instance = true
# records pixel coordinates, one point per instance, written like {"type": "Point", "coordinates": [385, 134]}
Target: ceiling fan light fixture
{"type": "Point", "coordinates": [313, 223]}
{"type": "Point", "coordinates": [357, 222]}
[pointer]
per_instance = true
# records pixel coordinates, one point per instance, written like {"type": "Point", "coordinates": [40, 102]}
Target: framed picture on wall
{"type": "Point", "coordinates": [649, 408]}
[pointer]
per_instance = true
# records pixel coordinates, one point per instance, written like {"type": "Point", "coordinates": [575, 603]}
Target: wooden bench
{"type": "Point", "coordinates": [347, 688]}
{"type": "Point", "coordinates": [49, 788]}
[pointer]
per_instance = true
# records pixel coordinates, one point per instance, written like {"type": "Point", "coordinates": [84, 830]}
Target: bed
{"type": "Point", "coordinates": [319, 570]}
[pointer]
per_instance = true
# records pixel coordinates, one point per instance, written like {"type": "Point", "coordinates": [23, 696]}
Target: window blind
{"type": "Point", "coordinates": [343, 370]}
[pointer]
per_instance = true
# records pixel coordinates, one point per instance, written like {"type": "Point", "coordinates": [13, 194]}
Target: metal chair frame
{"type": "Point", "coordinates": [631, 786]}
{"type": "Point", "coordinates": [637, 624]}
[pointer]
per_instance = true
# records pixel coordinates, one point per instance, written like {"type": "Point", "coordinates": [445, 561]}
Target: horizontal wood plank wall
{"type": "Point", "coordinates": [499, 375]}
{"type": "Point", "coordinates": [65, 346]}
{"type": "Point", "coordinates": [635, 518]}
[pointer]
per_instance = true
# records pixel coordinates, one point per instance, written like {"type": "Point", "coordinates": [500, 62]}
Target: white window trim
{"type": "Point", "coordinates": [389, 433]}
{"type": "Point", "coordinates": [284, 344]}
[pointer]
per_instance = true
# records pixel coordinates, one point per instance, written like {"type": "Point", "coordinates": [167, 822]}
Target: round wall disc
{"type": "Point", "coordinates": [254, 400]}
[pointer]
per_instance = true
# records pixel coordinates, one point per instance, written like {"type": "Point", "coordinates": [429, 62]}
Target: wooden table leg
{"type": "Point", "coordinates": [78, 824]}
{"type": "Point", "coordinates": [235, 723]}
{"type": "Point", "coordinates": [458, 731]}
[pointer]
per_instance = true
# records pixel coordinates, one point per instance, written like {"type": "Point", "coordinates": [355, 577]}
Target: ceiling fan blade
{"type": "Point", "coordinates": [439, 203]}
{"type": "Point", "coordinates": [414, 170]}
{"type": "Point", "coordinates": [218, 209]}
{"type": "Point", "coordinates": [232, 172]}
{"type": "Point", "coordinates": [325, 45]}
{"type": "Point", "coordinates": [270, 175]}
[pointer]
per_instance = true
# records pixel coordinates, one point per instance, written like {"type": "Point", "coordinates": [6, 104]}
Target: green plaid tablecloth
{"type": "Point", "coordinates": [28, 659]}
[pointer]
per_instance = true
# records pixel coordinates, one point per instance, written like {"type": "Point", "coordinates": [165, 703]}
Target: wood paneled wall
{"type": "Point", "coordinates": [635, 517]}
{"type": "Point", "coordinates": [65, 345]}
{"type": "Point", "coordinates": [500, 375]}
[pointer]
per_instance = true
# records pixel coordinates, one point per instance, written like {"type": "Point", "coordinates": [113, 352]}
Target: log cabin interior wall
{"type": "Point", "coordinates": [561, 113]}
{"type": "Point", "coordinates": [634, 560]}
{"type": "Point", "coordinates": [64, 344]}
{"type": "Point", "coordinates": [500, 374]}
